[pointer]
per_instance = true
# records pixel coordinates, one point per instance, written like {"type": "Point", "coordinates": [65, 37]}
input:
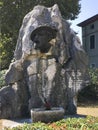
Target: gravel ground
{"type": "Point", "coordinates": [88, 111]}
{"type": "Point", "coordinates": [81, 112]}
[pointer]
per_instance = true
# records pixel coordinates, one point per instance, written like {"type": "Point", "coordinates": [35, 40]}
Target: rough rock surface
{"type": "Point", "coordinates": [50, 65]}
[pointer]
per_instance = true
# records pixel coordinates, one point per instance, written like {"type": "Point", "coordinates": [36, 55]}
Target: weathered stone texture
{"type": "Point", "coordinates": [53, 67]}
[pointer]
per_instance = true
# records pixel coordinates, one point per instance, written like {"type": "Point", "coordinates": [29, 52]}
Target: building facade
{"type": "Point", "coordinates": [90, 39]}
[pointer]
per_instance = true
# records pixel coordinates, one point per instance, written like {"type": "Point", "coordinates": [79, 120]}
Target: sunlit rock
{"type": "Point", "coordinates": [50, 65]}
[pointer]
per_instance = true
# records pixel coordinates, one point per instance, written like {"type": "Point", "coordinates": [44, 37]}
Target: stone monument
{"type": "Point", "coordinates": [49, 66]}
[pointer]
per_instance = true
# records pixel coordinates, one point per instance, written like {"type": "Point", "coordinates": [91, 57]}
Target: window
{"type": "Point", "coordinates": [92, 42]}
{"type": "Point", "coordinates": [93, 65]}
{"type": "Point", "coordinates": [92, 26]}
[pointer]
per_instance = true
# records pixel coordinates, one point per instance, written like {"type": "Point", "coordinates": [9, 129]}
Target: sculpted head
{"type": "Point", "coordinates": [41, 38]}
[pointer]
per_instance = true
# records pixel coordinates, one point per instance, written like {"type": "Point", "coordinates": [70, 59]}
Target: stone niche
{"type": "Point", "coordinates": [49, 66]}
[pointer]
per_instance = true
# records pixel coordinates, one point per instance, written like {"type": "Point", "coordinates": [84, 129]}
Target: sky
{"type": "Point", "coordinates": [89, 8]}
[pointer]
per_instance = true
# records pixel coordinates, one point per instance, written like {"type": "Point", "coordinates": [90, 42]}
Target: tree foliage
{"type": "Point", "coordinates": [13, 11]}
{"type": "Point", "coordinates": [93, 72]}
{"type": "Point", "coordinates": [6, 50]}
{"type": "Point", "coordinates": [2, 77]}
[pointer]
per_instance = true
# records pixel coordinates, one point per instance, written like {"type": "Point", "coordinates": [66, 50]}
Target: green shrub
{"type": "Point", "coordinates": [2, 75]}
{"type": "Point", "coordinates": [88, 123]}
{"type": "Point", "coordinates": [94, 81]}
{"type": "Point", "coordinates": [90, 92]}
{"type": "Point", "coordinates": [93, 72]}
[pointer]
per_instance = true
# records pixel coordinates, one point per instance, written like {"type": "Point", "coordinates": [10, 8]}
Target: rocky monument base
{"type": "Point", "coordinates": [49, 67]}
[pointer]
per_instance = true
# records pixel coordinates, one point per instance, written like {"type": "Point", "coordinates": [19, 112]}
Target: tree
{"type": "Point", "coordinates": [13, 11]}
